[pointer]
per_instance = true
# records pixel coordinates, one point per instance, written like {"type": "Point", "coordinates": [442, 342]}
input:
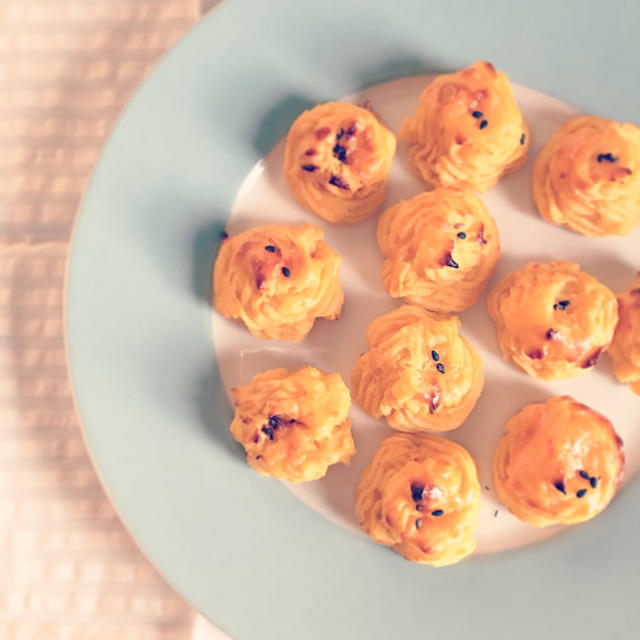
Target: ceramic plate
{"type": "Point", "coordinates": [199, 151]}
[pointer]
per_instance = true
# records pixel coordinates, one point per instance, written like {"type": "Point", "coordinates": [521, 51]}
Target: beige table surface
{"type": "Point", "coordinates": [68, 568]}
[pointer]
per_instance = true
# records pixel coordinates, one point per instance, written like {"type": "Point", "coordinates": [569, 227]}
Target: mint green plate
{"type": "Point", "coordinates": [242, 549]}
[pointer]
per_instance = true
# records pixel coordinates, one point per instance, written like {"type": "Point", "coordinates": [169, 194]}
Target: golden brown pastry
{"type": "Point", "coordinates": [587, 177]}
{"type": "Point", "coordinates": [420, 495]}
{"type": "Point", "coordinates": [625, 348]}
{"type": "Point", "coordinates": [441, 248]}
{"type": "Point", "coordinates": [553, 320]}
{"type": "Point", "coordinates": [278, 279]}
{"type": "Point", "coordinates": [559, 462]}
{"type": "Point", "coordinates": [467, 131]}
{"type": "Point", "coordinates": [294, 424]}
{"type": "Point", "coordinates": [418, 373]}
{"type": "Point", "coordinates": [337, 159]}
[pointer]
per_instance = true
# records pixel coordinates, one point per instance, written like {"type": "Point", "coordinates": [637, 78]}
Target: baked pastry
{"type": "Point", "coordinates": [467, 131]}
{"type": "Point", "coordinates": [294, 424]}
{"type": "Point", "coordinates": [553, 320]}
{"type": "Point", "coordinates": [587, 177]}
{"type": "Point", "coordinates": [625, 348]}
{"type": "Point", "coordinates": [278, 279]}
{"type": "Point", "coordinates": [441, 248]}
{"type": "Point", "coordinates": [337, 159]}
{"type": "Point", "coordinates": [420, 495]}
{"type": "Point", "coordinates": [418, 373]}
{"type": "Point", "coordinates": [559, 462]}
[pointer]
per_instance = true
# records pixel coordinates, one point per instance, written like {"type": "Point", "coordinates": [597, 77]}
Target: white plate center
{"type": "Point", "coordinates": [335, 346]}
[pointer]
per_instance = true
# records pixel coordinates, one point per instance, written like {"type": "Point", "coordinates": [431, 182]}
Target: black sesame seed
{"type": "Point", "coordinates": [561, 305]}
{"type": "Point", "coordinates": [483, 124]}
{"type": "Point", "coordinates": [593, 481]}
{"type": "Point", "coordinates": [462, 235]}
{"type": "Point", "coordinates": [274, 421]}
{"type": "Point", "coordinates": [584, 474]}
{"type": "Point", "coordinates": [435, 355]}
{"type": "Point", "coordinates": [223, 235]}
{"type": "Point", "coordinates": [522, 138]}
{"type": "Point", "coordinates": [268, 431]}
{"type": "Point", "coordinates": [477, 114]}
{"type": "Point", "coordinates": [437, 513]}
{"type": "Point", "coordinates": [336, 182]}
{"type": "Point", "coordinates": [581, 493]}
{"type": "Point", "coordinates": [352, 130]}
{"type": "Point", "coordinates": [340, 134]}
{"type": "Point", "coordinates": [270, 248]}
{"type": "Point", "coordinates": [609, 157]}
{"type": "Point", "coordinates": [440, 367]}
{"type": "Point", "coordinates": [286, 272]}
{"type": "Point", "coordinates": [551, 334]}
{"type": "Point", "coordinates": [419, 507]}
{"type": "Point", "coordinates": [417, 491]}
{"type": "Point", "coordinates": [495, 513]}
{"type": "Point", "coordinates": [418, 523]}
{"type": "Point", "coordinates": [340, 152]}
{"type": "Point", "coordinates": [487, 488]}
{"type": "Point", "coordinates": [559, 485]}
{"type": "Point", "coordinates": [309, 167]}
{"type": "Point", "coordinates": [258, 457]}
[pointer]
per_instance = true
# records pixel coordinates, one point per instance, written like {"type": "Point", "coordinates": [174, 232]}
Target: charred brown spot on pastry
{"type": "Point", "coordinates": [434, 400]}
{"type": "Point", "coordinates": [258, 272]}
{"type": "Point", "coordinates": [535, 354]}
{"type": "Point", "coordinates": [448, 93]}
{"type": "Point", "coordinates": [592, 359]}
{"type": "Point", "coordinates": [322, 133]}
{"type": "Point", "coordinates": [448, 261]}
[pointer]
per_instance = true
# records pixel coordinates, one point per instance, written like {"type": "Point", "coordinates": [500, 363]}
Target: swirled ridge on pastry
{"type": "Point", "coordinates": [553, 320]}
{"type": "Point", "coordinates": [278, 279]}
{"type": "Point", "coordinates": [337, 159]}
{"type": "Point", "coordinates": [420, 495]}
{"type": "Point", "coordinates": [294, 424]}
{"type": "Point", "coordinates": [441, 248]}
{"type": "Point", "coordinates": [467, 131]}
{"type": "Point", "coordinates": [625, 348]}
{"type": "Point", "coordinates": [558, 462]}
{"type": "Point", "coordinates": [418, 373]}
{"type": "Point", "coordinates": [587, 177]}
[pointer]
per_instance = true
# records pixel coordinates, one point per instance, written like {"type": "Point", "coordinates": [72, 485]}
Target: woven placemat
{"type": "Point", "coordinates": [68, 567]}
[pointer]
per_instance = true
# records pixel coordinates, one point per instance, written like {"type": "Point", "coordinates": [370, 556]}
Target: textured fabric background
{"type": "Point", "coordinates": [68, 568]}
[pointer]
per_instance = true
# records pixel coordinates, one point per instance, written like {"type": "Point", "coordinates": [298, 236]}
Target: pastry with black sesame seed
{"type": "Point", "coordinates": [420, 496]}
{"type": "Point", "coordinates": [293, 424]}
{"type": "Point", "coordinates": [278, 279]}
{"type": "Point", "coordinates": [553, 320]}
{"type": "Point", "coordinates": [418, 374]}
{"type": "Point", "coordinates": [559, 462]}
{"type": "Point", "coordinates": [625, 348]}
{"type": "Point", "coordinates": [467, 131]}
{"type": "Point", "coordinates": [337, 159]}
{"type": "Point", "coordinates": [587, 177]}
{"type": "Point", "coordinates": [441, 247]}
